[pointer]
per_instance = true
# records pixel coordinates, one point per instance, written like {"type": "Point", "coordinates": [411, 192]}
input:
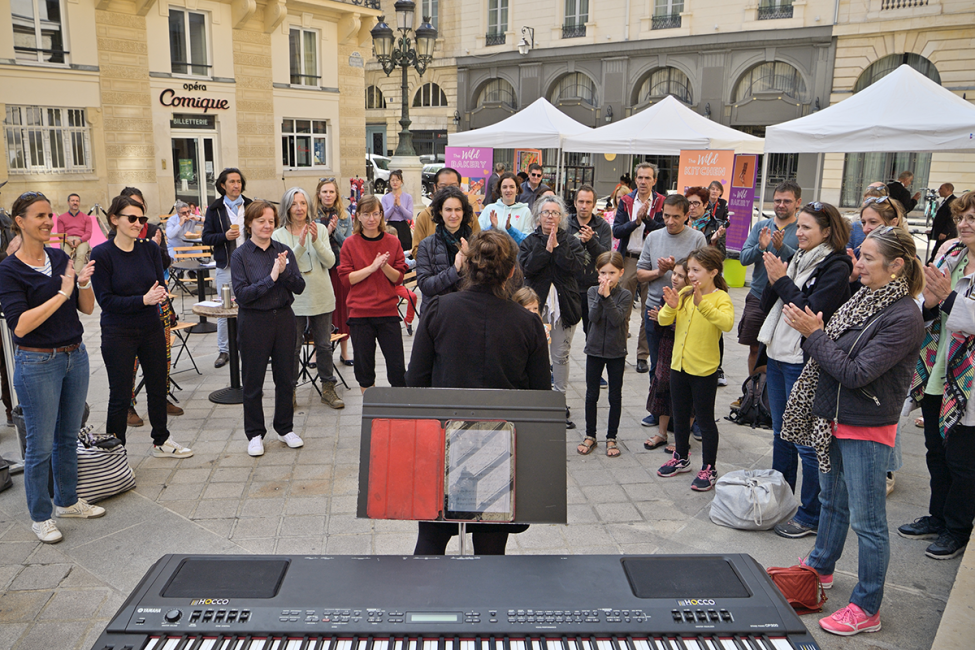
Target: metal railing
{"type": "Point", "coordinates": [573, 31]}
{"type": "Point", "coordinates": [774, 12]}
{"type": "Point", "coordinates": [665, 22]}
{"type": "Point", "coordinates": [902, 4]}
{"type": "Point", "coordinates": [494, 39]}
{"type": "Point", "coordinates": [371, 4]}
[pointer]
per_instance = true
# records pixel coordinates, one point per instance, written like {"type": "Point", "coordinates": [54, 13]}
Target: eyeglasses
{"type": "Point", "coordinates": [535, 174]}
{"type": "Point", "coordinates": [550, 213]}
{"type": "Point", "coordinates": [967, 219]}
{"type": "Point", "coordinates": [695, 203]}
{"type": "Point", "coordinates": [133, 218]}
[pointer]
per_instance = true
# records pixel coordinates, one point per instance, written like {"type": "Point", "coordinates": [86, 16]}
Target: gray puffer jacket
{"type": "Point", "coordinates": [865, 374]}
{"type": "Point", "coordinates": [435, 274]}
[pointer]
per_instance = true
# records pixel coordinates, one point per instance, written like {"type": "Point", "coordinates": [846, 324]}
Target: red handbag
{"type": "Point", "coordinates": [801, 587]}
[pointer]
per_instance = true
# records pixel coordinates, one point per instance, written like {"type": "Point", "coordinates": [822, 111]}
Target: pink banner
{"type": "Point", "coordinates": [741, 199]}
{"type": "Point", "coordinates": [474, 165]}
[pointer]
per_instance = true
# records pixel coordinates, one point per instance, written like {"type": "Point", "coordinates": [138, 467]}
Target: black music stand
{"type": "Point", "coordinates": [539, 419]}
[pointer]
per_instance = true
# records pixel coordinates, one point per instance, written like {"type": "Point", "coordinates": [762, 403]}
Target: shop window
{"type": "Point", "coordinates": [431, 10]}
{"type": "Point", "coordinates": [430, 95]}
{"type": "Point", "coordinates": [497, 91]}
{"type": "Point", "coordinates": [574, 86]}
{"type": "Point", "coordinates": [188, 51]}
{"type": "Point", "coordinates": [38, 31]}
{"type": "Point", "coordinates": [665, 81]}
{"type": "Point", "coordinates": [774, 76]}
{"type": "Point", "coordinates": [497, 16]}
{"type": "Point", "coordinates": [47, 140]}
{"type": "Point", "coordinates": [304, 57]}
{"type": "Point", "coordinates": [304, 143]}
{"type": "Point", "coordinates": [374, 98]}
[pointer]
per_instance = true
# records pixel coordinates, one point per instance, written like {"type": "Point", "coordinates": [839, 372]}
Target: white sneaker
{"type": "Point", "coordinates": [171, 449]}
{"type": "Point", "coordinates": [292, 440]}
{"type": "Point", "coordinates": [81, 510]}
{"type": "Point", "coordinates": [256, 446]}
{"type": "Point", "coordinates": [47, 531]}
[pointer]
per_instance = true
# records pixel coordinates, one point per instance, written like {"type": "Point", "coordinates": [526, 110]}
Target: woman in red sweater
{"type": "Point", "coordinates": [371, 266]}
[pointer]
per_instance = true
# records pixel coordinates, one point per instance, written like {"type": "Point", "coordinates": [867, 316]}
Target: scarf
{"type": "Point", "coordinates": [452, 240]}
{"type": "Point", "coordinates": [799, 425]}
{"type": "Point", "coordinates": [959, 364]}
{"type": "Point", "coordinates": [802, 266]}
{"type": "Point", "coordinates": [698, 224]}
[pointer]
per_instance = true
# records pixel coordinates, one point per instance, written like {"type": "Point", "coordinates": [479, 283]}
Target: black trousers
{"type": "Point", "coordinates": [584, 297]}
{"type": "Point", "coordinates": [262, 335]}
{"type": "Point", "coordinates": [404, 233]}
{"type": "Point", "coordinates": [693, 395]}
{"type": "Point", "coordinates": [365, 332]}
{"type": "Point", "coordinates": [594, 370]}
{"type": "Point", "coordinates": [120, 347]}
{"type": "Point", "coordinates": [489, 539]}
{"type": "Point", "coordinates": [5, 385]}
{"type": "Point", "coordinates": [951, 464]}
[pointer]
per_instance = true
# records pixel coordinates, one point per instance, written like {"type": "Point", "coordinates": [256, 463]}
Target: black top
{"type": "Point", "coordinates": [896, 190]}
{"type": "Point", "coordinates": [607, 322]}
{"type": "Point", "coordinates": [473, 339]}
{"type": "Point", "coordinates": [122, 279]}
{"type": "Point", "coordinates": [943, 224]}
{"type": "Point", "coordinates": [250, 272]}
{"type": "Point", "coordinates": [23, 288]}
{"type": "Point", "coordinates": [216, 223]}
{"type": "Point", "coordinates": [600, 242]}
{"type": "Point", "coordinates": [561, 267]}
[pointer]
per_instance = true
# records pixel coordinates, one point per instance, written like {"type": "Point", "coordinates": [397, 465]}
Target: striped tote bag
{"type": "Point", "coordinates": [103, 473]}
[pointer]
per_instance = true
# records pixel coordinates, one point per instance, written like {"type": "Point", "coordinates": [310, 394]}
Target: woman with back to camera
{"type": "Point", "coordinates": [846, 404]}
{"type": "Point", "coordinates": [458, 345]}
{"type": "Point", "coordinates": [817, 276]}
{"type": "Point", "coordinates": [440, 257]}
{"type": "Point", "coordinates": [130, 288]}
{"type": "Point", "coordinates": [266, 278]}
{"type": "Point", "coordinates": [41, 298]}
{"type": "Point", "coordinates": [313, 307]}
{"type": "Point", "coordinates": [338, 220]}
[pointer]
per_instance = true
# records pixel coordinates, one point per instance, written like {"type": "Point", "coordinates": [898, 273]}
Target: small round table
{"type": "Point", "coordinates": [203, 327]}
{"type": "Point", "coordinates": [234, 394]}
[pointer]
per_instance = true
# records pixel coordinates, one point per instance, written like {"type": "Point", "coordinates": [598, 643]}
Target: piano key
{"type": "Point", "coordinates": [585, 644]}
{"type": "Point", "coordinates": [293, 644]}
{"type": "Point", "coordinates": [691, 644]}
{"type": "Point", "coordinates": [256, 643]}
{"type": "Point", "coordinates": [780, 643]}
{"type": "Point", "coordinates": [378, 644]}
{"type": "Point", "coordinates": [644, 644]}
{"type": "Point", "coordinates": [604, 644]}
{"type": "Point", "coordinates": [517, 644]}
{"type": "Point", "coordinates": [171, 643]}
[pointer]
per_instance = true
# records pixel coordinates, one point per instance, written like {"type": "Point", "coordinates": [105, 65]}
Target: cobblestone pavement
{"type": "Point", "coordinates": [303, 501]}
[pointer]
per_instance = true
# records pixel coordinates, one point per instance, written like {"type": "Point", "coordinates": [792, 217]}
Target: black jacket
{"type": "Point", "coordinates": [599, 243]}
{"type": "Point", "coordinates": [943, 224]}
{"type": "Point", "coordinates": [625, 223]}
{"type": "Point", "coordinates": [720, 210]}
{"type": "Point", "coordinates": [216, 223]}
{"type": "Point", "coordinates": [712, 226]}
{"type": "Point", "coordinates": [864, 375]}
{"type": "Point", "coordinates": [896, 190]}
{"type": "Point", "coordinates": [473, 339]}
{"type": "Point", "coordinates": [825, 291]}
{"type": "Point", "coordinates": [606, 337]}
{"type": "Point", "coordinates": [528, 195]}
{"type": "Point", "coordinates": [435, 274]}
{"type": "Point", "coordinates": [562, 267]}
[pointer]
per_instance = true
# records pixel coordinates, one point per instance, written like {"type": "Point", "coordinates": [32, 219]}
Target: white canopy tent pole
{"type": "Point", "coordinates": [761, 200]}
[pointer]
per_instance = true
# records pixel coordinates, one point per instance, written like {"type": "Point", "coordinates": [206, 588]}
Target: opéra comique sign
{"type": "Point", "coordinates": [169, 97]}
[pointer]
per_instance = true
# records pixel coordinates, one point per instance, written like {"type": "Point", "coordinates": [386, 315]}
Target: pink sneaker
{"type": "Point", "coordinates": [849, 621]}
{"type": "Point", "coordinates": [826, 581]}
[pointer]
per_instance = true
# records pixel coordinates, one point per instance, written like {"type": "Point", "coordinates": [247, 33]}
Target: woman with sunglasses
{"type": "Point", "coordinates": [846, 404]}
{"type": "Point", "coordinates": [41, 298]}
{"type": "Point", "coordinates": [945, 397]}
{"type": "Point", "coordinates": [816, 277]}
{"type": "Point", "coordinates": [130, 286]}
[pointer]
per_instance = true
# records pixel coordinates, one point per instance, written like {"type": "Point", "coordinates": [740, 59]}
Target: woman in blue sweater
{"type": "Point", "coordinates": [41, 299]}
{"type": "Point", "coordinates": [130, 288]}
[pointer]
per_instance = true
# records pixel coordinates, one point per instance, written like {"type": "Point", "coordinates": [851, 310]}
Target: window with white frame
{"type": "Point", "coordinates": [45, 140]}
{"type": "Point", "coordinates": [38, 30]}
{"type": "Point", "coordinates": [576, 12]}
{"type": "Point", "coordinates": [668, 7]}
{"type": "Point", "coordinates": [497, 16]}
{"type": "Point", "coordinates": [304, 57]}
{"type": "Point", "coordinates": [431, 10]}
{"type": "Point", "coordinates": [304, 143]}
{"type": "Point", "coordinates": [188, 51]}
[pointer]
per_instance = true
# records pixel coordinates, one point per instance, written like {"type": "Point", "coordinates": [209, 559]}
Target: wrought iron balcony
{"type": "Point", "coordinates": [494, 39]}
{"type": "Point", "coordinates": [371, 4]}
{"type": "Point", "coordinates": [774, 12]}
{"type": "Point", "coordinates": [666, 22]}
{"type": "Point", "coordinates": [573, 31]}
{"type": "Point", "coordinates": [902, 4]}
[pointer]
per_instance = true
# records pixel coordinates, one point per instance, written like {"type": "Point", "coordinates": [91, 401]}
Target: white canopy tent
{"type": "Point", "coordinates": [904, 111]}
{"type": "Point", "coordinates": [539, 125]}
{"type": "Point", "coordinates": [663, 129]}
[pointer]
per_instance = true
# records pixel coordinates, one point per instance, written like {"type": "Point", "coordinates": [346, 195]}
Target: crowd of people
{"type": "Point", "coordinates": [848, 324]}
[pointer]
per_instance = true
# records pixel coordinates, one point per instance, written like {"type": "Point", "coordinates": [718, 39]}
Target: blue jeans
{"type": "Point", "coordinates": [52, 389]}
{"type": "Point", "coordinates": [779, 378]}
{"type": "Point", "coordinates": [854, 493]}
{"type": "Point", "coordinates": [653, 341]}
{"type": "Point", "coordinates": [220, 278]}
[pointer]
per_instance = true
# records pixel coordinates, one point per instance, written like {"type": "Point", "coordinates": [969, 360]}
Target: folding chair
{"type": "Point", "coordinates": [304, 372]}
{"type": "Point", "coordinates": [333, 339]}
{"type": "Point", "coordinates": [181, 331]}
{"type": "Point", "coordinates": [407, 301]}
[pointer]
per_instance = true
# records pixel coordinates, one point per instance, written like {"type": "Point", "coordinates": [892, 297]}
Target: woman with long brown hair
{"type": "Point", "coordinates": [331, 214]}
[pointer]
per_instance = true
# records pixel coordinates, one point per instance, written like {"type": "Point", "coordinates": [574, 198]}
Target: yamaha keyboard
{"type": "Point", "coordinates": [529, 602]}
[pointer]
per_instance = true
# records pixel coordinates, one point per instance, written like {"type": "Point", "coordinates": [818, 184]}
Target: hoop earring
{"type": "Point", "coordinates": [893, 276]}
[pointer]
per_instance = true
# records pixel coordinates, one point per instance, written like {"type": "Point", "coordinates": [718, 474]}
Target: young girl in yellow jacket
{"type": "Point", "coordinates": [702, 311]}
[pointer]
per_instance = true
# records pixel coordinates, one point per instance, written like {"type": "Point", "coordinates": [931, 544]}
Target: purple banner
{"type": "Point", "coordinates": [741, 200]}
{"type": "Point", "coordinates": [474, 165]}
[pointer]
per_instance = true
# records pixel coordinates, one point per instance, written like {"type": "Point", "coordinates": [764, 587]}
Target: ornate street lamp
{"type": "Point", "coordinates": [411, 48]}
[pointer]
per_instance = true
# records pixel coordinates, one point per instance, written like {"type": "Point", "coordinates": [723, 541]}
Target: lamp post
{"type": "Point", "coordinates": [411, 48]}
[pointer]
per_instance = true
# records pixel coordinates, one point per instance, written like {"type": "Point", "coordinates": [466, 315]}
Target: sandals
{"type": "Point", "coordinates": [586, 446]}
{"type": "Point", "coordinates": [612, 449]}
{"type": "Point", "coordinates": [654, 442]}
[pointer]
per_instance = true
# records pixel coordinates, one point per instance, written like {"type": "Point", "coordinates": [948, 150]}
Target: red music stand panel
{"type": "Point", "coordinates": [406, 470]}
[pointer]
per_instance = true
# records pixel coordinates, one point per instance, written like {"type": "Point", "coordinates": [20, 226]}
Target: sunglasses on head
{"type": "Point", "coordinates": [874, 199]}
{"type": "Point", "coordinates": [815, 206]}
{"type": "Point", "coordinates": [327, 180]}
{"type": "Point", "coordinates": [32, 195]}
{"type": "Point", "coordinates": [133, 218]}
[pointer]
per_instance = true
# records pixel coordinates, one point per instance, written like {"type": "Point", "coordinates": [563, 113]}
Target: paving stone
{"type": "Point", "coordinates": [302, 526]}
{"type": "Point", "coordinates": [181, 492]}
{"type": "Point", "coordinates": [74, 605]}
{"type": "Point", "coordinates": [300, 545]}
{"type": "Point", "coordinates": [40, 576]}
{"type": "Point", "coordinates": [16, 606]}
{"type": "Point", "coordinates": [306, 506]}
{"type": "Point", "coordinates": [230, 475]}
{"type": "Point", "coordinates": [262, 507]}
{"type": "Point", "coordinates": [10, 632]}
{"type": "Point", "coordinates": [216, 509]}
{"type": "Point", "coordinates": [223, 491]}
{"type": "Point", "coordinates": [189, 476]}
{"type": "Point", "coordinates": [256, 527]}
